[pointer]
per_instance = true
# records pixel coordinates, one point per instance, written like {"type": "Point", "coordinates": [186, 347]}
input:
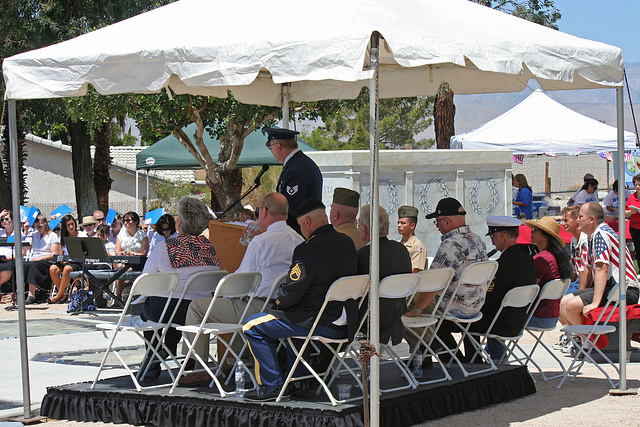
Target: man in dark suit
{"type": "Point", "coordinates": [324, 257]}
{"type": "Point", "coordinates": [515, 268]}
{"type": "Point", "coordinates": [396, 261]}
{"type": "Point", "coordinates": [300, 178]}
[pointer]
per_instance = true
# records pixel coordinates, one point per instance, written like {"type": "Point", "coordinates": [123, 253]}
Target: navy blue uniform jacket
{"type": "Point", "coordinates": [300, 180]}
{"type": "Point", "coordinates": [319, 261]}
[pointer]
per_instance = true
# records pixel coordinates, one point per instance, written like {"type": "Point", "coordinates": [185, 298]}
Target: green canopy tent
{"type": "Point", "coordinates": [170, 154]}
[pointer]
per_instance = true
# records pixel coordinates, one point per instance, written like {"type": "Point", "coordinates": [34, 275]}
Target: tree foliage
{"type": "Point", "coordinates": [541, 12]}
{"type": "Point", "coordinates": [346, 123]}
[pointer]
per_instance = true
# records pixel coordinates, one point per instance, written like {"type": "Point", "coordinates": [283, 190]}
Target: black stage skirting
{"type": "Point", "coordinates": [115, 400]}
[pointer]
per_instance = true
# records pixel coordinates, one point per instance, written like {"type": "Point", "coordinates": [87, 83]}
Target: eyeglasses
{"type": "Point", "coordinates": [438, 220]}
{"type": "Point", "coordinates": [6, 218]}
{"type": "Point", "coordinates": [269, 146]}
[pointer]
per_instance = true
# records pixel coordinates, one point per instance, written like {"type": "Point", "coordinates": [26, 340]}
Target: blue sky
{"type": "Point", "coordinates": [615, 22]}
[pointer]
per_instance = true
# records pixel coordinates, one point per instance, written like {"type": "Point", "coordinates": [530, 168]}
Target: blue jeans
{"type": "Point", "coordinates": [263, 331]}
{"type": "Point", "coordinates": [543, 322]}
{"type": "Point", "coordinates": [573, 287]}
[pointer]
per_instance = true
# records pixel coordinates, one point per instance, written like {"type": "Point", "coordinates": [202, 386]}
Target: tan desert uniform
{"type": "Point", "coordinates": [352, 231]}
{"type": "Point", "coordinates": [417, 251]}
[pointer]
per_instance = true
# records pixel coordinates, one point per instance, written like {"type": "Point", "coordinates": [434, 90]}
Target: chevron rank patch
{"type": "Point", "coordinates": [292, 190]}
{"type": "Point", "coordinates": [295, 273]}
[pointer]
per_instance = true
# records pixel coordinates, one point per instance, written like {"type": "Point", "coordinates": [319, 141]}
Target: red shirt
{"type": "Point", "coordinates": [546, 270]}
{"type": "Point", "coordinates": [634, 219]}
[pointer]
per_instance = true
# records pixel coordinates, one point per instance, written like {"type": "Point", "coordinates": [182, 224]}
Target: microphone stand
{"type": "Point", "coordinates": [255, 185]}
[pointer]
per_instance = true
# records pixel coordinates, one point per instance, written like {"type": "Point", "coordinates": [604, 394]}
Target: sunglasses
{"type": "Point", "coordinates": [39, 227]}
{"type": "Point", "coordinates": [164, 230]}
{"type": "Point", "coordinates": [6, 218]}
{"type": "Point", "coordinates": [128, 220]}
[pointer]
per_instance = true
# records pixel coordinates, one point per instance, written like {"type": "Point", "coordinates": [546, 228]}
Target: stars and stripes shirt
{"type": "Point", "coordinates": [604, 247]}
{"type": "Point", "coordinates": [579, 252]}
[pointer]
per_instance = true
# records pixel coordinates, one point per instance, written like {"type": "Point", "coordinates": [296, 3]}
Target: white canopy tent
{"type": "Point", "coordinates": [541, 125]}
{"type": "Point", "coordinates": [316, 51]}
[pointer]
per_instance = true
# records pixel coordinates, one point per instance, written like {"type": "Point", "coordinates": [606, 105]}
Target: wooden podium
{"type": "Point", "coordinates": [226, 239]}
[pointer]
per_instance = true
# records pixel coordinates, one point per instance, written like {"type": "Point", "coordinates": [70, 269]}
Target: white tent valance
{"type": "Point", "coordinates": [251, 47]}
{"type": "Point", "coordinates": [541, 125]}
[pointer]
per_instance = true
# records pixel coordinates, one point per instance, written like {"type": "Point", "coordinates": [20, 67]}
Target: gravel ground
{"type": "Point", "coordinates": [585, 401]}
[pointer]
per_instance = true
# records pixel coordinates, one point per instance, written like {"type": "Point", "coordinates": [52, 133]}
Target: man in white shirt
{"type": "Point", "coordinates": [269, 253]}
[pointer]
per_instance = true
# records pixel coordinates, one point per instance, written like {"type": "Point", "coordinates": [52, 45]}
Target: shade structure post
{"type": "Point", "coordinates": [137, 191]}
{"type": "Point", "coordinates": [19, 271]}
{"type": "Point", "coordinates": [374, 315]}
{"type": "Point", "coordinates": [285, 104]}
{"type": "Point", "coordinates": [622, 231]}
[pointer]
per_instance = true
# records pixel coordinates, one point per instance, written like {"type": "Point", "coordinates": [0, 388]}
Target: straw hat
{"type": "Point", "coordinates": [88, 220]}
{"type": "Point", "coordinates": [547, 224]}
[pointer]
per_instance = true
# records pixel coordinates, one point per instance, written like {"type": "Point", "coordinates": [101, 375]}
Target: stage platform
{"type": "Point", "coordinates": [115, 400]}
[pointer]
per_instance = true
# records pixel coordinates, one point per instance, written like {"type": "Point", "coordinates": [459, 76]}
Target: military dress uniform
{"type": "Point", "coordinates": [417, 252]}
{"type": "Point", "coordinates": [300, 180]}
{"type": "Point", "coordinates": [323, 258]}
{"type": "Point", "coordinates": [352, 231]}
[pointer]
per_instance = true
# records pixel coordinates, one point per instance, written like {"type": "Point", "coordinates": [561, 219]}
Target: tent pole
{"type": "Point", "coordinates": [19, 272]}
{"type": "Point", "coordinates": [374, 315]}
{"type": "Point", "coordinates": [137, 192]}
{"type": "Point", "coordinates": [146, 208]}
{"type": "Point", "coordinates": [622, 230]}
{"type": "Point", "coordinates": [285, 105]}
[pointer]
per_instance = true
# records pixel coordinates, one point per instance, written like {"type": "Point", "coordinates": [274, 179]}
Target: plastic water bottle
{"type": "Point", "coordinates": [417, 365]}
{"type": "Point", "coordinates": [136, 321]}
{"type": "Point", "coordinates": [240, 380]}
{"type": "Point", "coordinates": [249, 233]}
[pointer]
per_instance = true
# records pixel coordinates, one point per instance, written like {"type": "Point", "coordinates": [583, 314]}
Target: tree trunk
{"type": "Point", "coordinates": [82, 170]}
{"type": "Point", "coordinates": [5, 174]}
{"type": "Point", "coordinates": [444, 111]}
{"type": "Point", "coordinates": [101, 165]}
{"type": "Point", "coordinates": [225, 193]}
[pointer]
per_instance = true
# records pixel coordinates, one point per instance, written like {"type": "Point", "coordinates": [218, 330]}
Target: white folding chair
{"type": "Point", "coordinates": [235, 285]}
{"type": "Point", "coordinates": [477, 274]}
{"type": "Point", "coordinates": [343, 289]}
{"type": "Point", "coordinates": [430, 281]}
{"type": "Point", "coordinates": [147, 285]}
{"type": "Point", "coordinates": [590, 335]}
{"type": "Point", "coordinates": [552, 290]}
{"type": "Point", "coordinates": [519, 297]}
{"type": "Point", "coordinates": [274, 289]}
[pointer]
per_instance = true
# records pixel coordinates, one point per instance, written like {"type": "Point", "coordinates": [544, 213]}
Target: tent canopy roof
{"type": "Point", "coordinates": [170, 154]}
{"type": "Point", "coordinates": [541, 125]}
{"type": "Point", "coordinates": [323, 51]}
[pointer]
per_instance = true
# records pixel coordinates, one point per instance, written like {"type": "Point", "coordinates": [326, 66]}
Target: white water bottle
{"type": "Point", "coordinates": [240, 380]}
{"type": "Point", "coordinates": [417, 365]}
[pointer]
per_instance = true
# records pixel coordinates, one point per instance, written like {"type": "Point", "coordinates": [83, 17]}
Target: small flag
{"type": "Point", "coordinates": [606, 155]}
{"type": "Point", "coordinates": [518, 158]}
{"type": "Point", "coordinates": [550, 154]}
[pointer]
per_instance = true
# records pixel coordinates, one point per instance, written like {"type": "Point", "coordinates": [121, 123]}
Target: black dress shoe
{"type": "Point", "coordinates": [265, 393]}
{"type": "Point", "coordinates": [298, 388]}
{"type": "Point", "coordinates": [29, 300]}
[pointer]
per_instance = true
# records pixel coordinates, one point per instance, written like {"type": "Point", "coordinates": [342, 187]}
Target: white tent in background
{"type": "Point", "coordinates": [541, 125]}
{"type": "Point", "coordinates": [265, 52]}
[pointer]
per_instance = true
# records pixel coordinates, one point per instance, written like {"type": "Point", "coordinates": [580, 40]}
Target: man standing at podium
{"type": "Point", "coordinates": [300, 178]}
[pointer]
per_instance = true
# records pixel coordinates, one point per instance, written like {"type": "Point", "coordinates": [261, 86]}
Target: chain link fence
{"type": "Point", "coordinates": [565, 174]}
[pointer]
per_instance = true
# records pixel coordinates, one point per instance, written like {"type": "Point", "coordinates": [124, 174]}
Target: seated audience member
{"type": "Point", "coordinates": [459, 248]}
{"type": "Point", "coordinates": [98, 215]}
{"type": "Point", "coordinates": [6, 252]}
{"type": "Point", "coordinates": [131, 241]}
{"type": "Point", "coordinates": [44, 245]}
{"type": "Point", "coordinates": [269, 253]}
{"type": "Point", "coordinates": [186, 254]}
{"type": "Point", "coordinates": [407, 222]}
{"type": "Point", "coordinates": [396, 260]}
{"type": "Point", "coordinates": [632, 211]}
{"type": "Point", "coordinates": [578, 248]}
{"type": "Point", "coordinates": [523, 204]}
{"type": "Point", "coordinates": [552, 262]}
{"type": "Point", "coordinates": [611, 200]}
{"type": "Point", "coordinates": [116, 227]}
{"type": "Point", "coordinates": [247, 215]}
{"type": "Point", "coordinates": [602, 265]}
{"type": "Point", "coordinates": [102, 233]}
{"type": "Point", "coordinates": [588, 192]}
{"type": "Point", "coordinates": [61, 272]}
{"type": "Point", "coordinates": [89, 225]}
{"type": "Point", "coordinates": [587, 176]}
{"type": "Point", "coordinates": [165, 229]}
{"type": "Point", "coordinates": [344, 214]}
{"type": "Point", "coordinates": [515, 268]}
{"type": "Point", "coordinates": [324, 257]}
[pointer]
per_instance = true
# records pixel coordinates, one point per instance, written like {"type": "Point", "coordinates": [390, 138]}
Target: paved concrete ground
{"type": "Point", "coordinates": [65, 349]}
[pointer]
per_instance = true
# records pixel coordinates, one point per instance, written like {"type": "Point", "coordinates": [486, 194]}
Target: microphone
{"type": "Point", "coordinates": [264, 169]}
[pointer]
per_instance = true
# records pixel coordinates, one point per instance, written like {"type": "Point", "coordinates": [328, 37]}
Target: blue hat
{"type": "Point", "coordinates": [280, 134]}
